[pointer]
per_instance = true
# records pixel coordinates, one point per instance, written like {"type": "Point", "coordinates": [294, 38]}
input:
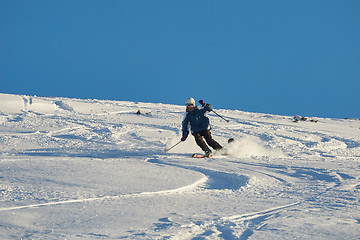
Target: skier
{"type": "Point", "coordinates": [199, 123]}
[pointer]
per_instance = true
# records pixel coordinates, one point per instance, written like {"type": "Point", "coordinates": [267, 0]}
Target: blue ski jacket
{"type": "Point", "coordinates": [196, 120]}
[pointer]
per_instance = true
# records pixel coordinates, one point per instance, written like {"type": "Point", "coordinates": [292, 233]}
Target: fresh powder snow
{"type": "Point", "coordinates": [96, 169]}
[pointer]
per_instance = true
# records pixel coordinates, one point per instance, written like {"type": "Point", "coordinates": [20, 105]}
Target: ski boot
{"type": "Point", "coordinates": [208, 153]}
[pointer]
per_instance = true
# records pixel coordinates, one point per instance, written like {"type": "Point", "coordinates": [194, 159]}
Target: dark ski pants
{"type": "Point", "coordinates": [199, 138]}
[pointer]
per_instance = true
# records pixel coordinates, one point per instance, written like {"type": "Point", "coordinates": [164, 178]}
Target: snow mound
{"type": "Point", "coordinates": [63, 105]}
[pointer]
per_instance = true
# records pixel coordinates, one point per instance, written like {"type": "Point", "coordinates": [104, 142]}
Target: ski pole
{"type": "Point", "coordinates": [220, 116]}
{"type": "Point", "coordinates": [166, 150]}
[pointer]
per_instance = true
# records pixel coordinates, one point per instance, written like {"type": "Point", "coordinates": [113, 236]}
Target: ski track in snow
{"type": "Point", "coordinates": [142, 194]}
{"type": "Point", "coordinates": [282, 180]}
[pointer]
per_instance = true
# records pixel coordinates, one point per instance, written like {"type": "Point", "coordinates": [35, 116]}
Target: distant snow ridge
{"type": "Point", "coordinates": [12, 104]}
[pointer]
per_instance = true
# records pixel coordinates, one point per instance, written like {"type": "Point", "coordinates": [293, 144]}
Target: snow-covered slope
{"type": "Point", "coordinates": [94, 169]}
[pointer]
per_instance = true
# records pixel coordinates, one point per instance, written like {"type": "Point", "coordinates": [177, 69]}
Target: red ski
{"type": "Point", "coordinates": [195, 155]}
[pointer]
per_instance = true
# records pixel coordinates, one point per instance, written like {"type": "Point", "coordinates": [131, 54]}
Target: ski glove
{"type": "Point", "coordinates": [183, 139]}
{"type": "Point", "coordinates": [202, 102]}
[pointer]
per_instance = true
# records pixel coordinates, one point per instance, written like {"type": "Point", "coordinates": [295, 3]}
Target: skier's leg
{"type": "Point", "coordinates": [212, 143]}
{"type": "Point", "coordinates": [200, 142]}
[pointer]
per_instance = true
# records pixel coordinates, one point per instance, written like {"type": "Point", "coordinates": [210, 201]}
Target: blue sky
{"type": "Point", "coordinates": [278, 57]}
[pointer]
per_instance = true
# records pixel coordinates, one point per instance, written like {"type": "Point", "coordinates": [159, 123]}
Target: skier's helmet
{"type": "Point", "coordinates": [190, 102]}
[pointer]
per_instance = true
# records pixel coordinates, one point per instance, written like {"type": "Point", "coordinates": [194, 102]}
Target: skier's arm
{"type": "Point", "coordinates": [185, 128]}
{"type": "Point", "coordinates": [207, 107]}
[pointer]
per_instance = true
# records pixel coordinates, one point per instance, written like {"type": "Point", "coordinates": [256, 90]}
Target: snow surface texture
{"type": "Point", "coordinates": [94, 169]}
